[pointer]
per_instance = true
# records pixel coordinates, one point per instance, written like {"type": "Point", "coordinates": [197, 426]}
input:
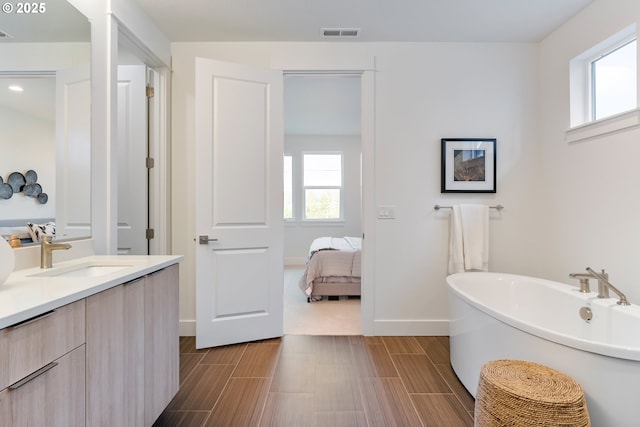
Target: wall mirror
{"type": "Point", "coordinates": [45, 142]}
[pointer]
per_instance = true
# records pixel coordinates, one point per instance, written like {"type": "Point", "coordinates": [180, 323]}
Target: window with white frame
{"type": "Point", "coordinates": [288, 187]}
{"type": "Point", "coordinates": [322, 178]}
{"type": "Point", "coordinates": [604, 79]}
{"type": "Point", "coordinates": [613, 81]}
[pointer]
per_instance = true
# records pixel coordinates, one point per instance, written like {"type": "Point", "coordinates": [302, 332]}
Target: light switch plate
{"type": "Point", "coordinates": [386, 212]}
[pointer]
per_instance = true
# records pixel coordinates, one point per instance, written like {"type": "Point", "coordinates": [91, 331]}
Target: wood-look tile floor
{"type": "Point", "coordinates": [332, 381]}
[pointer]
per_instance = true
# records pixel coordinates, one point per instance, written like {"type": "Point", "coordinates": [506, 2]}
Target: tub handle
{"type": "Point", "coordinates": [584, 281]}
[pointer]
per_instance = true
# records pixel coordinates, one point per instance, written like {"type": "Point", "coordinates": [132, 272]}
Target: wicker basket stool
{"type": "Point", "coordinates": [519, 393]}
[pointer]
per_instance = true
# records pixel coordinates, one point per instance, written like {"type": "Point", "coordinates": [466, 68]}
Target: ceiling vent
{"type": "Point", "coordinates": [340, 32]}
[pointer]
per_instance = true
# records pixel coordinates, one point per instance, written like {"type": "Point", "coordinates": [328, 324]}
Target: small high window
{"type": "Point", "coordinates": [613, 81]}
{"type": "Point", "coordinates": [604, 79]}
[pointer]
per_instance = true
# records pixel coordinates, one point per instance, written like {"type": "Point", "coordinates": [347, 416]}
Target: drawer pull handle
{"type": "Point", "coordinates": [32, 319]}
{"type": "Point", "coordinates": [32, 376]}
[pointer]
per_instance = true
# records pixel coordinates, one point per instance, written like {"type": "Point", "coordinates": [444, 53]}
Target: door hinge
{"type": "Point", "coordinates": [150, 162]}
{"type": "Point", "coordinates": [150, 233]}
{"type": "Point", "coordinates": [150, 92]}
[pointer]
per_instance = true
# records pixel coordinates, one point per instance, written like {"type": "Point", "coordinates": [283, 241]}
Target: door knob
{"type": "Point", "coordinates": [203, 240]}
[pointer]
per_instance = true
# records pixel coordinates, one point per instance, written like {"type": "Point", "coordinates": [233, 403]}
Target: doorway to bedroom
{"type": "Point", "coordinates": [323, 201]}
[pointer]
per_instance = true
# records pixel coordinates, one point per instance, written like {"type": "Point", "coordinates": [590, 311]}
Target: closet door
{"type": "Point", "coordinates": [73, 153]}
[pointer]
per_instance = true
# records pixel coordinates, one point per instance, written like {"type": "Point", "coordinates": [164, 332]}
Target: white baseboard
{"type": "Point", "coordinates": [411, 327]}
{"type": "Point", "coordinates": [187, 328]}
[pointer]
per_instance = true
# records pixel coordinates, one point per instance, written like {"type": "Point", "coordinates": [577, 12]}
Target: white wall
{"type": "Point", "coordinates": [591, 188]}
{"type": "Point", "coordinates": [424, 92]}
{"type": "Point", "coordinates": [299, 234]}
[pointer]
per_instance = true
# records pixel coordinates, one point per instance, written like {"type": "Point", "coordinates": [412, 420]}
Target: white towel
{"type": "Point", "coordinates": [469, 239]}
{"type": "Point", "coordinates": [456, 249]}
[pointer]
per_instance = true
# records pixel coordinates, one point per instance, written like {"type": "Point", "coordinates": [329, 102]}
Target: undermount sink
{"type": "Point", "coordinates": [83, 270]}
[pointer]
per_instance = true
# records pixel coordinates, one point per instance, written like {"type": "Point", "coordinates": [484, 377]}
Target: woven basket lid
{"type": "Point", "coordinates": [521, 393]}
{"type": "Point", "coordinates": [532, 381]}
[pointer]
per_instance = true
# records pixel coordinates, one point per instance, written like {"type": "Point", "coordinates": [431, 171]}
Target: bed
{"type": "Point", "coordinates": [333, 268]}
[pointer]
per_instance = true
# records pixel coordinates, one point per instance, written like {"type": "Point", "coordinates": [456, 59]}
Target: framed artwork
{"type": "Point", "coordinates": [468, 165]}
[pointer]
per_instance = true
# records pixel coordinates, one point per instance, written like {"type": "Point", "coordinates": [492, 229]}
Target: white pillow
{"type": "Point", "coordinates": [36, 231]}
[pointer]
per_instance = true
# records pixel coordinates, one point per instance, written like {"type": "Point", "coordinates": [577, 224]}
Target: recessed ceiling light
{"type": "Point", "coordinates": [16, 88]}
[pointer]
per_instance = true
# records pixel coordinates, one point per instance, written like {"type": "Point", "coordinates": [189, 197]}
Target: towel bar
{"type": "Point", "coordinates": [438, 207]}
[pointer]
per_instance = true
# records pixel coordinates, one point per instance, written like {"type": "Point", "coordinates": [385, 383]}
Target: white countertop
{"type": "Point", "coordinates": [27, 293]}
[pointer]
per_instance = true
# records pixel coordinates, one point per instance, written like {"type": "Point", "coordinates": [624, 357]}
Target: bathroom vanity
{"type": "Point", "coordinates": [93, 341]}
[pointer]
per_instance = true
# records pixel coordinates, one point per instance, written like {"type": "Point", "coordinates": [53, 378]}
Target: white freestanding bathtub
{"type": "Point", "coordinates": [503, 316]}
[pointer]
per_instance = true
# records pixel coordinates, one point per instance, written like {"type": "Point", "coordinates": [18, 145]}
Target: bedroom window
{"type": "Point", "coordinates": [288, 187]}
{"type": "Point", "coordinates": [322, 186]}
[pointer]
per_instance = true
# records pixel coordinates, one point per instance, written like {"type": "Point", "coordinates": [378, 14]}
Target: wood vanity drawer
{"type": "Point", "coordinates": [30, 345]}
{"type": "Point", "coordinates": [53, 397]}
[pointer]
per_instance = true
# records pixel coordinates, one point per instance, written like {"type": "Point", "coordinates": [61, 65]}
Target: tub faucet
{"type": "Point", "coordinates": [46, 251]}
{"type": "Point", "coordinates": [604, 285]}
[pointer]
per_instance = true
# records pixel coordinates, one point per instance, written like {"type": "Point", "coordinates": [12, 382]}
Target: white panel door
{"type": "Point", "coordinates": [239, 146]}
{"type": "Point", "coordinates": [132, 154]}
{"type": "Point", "coordinates": [73, 153]}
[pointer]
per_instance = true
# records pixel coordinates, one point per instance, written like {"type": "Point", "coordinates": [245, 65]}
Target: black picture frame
{"type": "Point", "coordinates": [468, 165]}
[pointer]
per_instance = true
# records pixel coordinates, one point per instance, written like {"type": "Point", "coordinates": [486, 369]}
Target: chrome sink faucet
{"type": "Point", "coordinates": [46, 251]}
